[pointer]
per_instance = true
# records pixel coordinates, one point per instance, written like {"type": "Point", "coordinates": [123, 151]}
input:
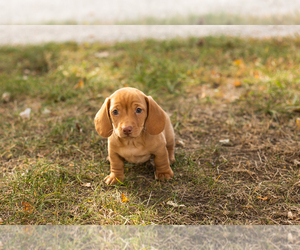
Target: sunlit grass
{"type": "Point", "coordinates": [214, 88]}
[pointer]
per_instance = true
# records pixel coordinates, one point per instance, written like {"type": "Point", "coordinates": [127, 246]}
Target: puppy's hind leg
{"type": "Point", "coordinates": [162, 165]}
{"type": "Point", "coordinates": [171, 149]}
{"type": "Point", "coordinates": [170, 140]}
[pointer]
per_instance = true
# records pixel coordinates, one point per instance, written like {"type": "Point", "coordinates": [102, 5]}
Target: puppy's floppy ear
{"type": "Point", "coordinates": [102, 120]}
{"type": "Point", "coordinates": [155, 121]}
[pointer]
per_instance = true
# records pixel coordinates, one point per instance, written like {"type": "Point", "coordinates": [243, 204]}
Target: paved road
{"type": "Point", "coordinates": [23, 34]}
{"type": "Point", "coordinates": [110, 11]}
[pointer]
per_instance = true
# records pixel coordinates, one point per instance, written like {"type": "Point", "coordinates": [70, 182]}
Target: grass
{"type": "Point", "coordinates": [214, 88]}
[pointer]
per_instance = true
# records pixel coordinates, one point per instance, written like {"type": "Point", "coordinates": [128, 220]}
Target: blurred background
{"type": "Point", "coordinates": [150, 12]}
{"type": "Point", "coordinates": [24, 22]}
{"type": "Point", "coordinates": [35, 34]}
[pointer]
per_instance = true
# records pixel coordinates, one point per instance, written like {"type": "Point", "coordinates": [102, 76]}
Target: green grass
{"type": "Point", "coordinates": [52, 165]}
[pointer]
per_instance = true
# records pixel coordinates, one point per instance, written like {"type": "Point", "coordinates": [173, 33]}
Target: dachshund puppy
{"type": "Point", "coordinates": [137, 128]}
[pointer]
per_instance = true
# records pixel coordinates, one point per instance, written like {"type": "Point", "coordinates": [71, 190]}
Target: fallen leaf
{"type": "Point", "coordinates": [262, 198]}
{"type": "Point", "coordinates": [46, 111]}
{"type": "Point", "coordinates": [226, 212]}
{"type": "Point", "coordinates": [79, 85]}
{"type": "Point", "coordinates": [256, 75]}
{"type": "Point", "coordinates": [225, 142]}
{"type": "Point", "coordinates": [237, 84]}
{"type": "Point", "coordinates": [102, 54]}
{"type": "Point", "coordinates": [26, 71]}
{"type": "Point", "coordinates": [26, 206]}
{"type": "Point", "coordinates": [171, 203]}
{"type": "Point", "coordinates": [6, 97]}
{"type": "Point", "coordinates": [296, 162]}
{"type": "Point", "coordinates": [124, 199]}
{"type": "Point", "coordinates": [1, 221]}
{"type": "Point", "coordinates": [298, 122]}
{"type": "Point", "coordinates": [290, 215]}
{"type": "Point", "coordinates": [237, 62]}
{"type": "Point", "coordinates": [26, 113]}
{"type": "Point", "coordinates": [40, 155]}
{"type": "Point", "coordinates": [65, 73]}
{"type": "Point", "coordinates": [86, 184]}
{"type": "Point", "coordinates": [203, 95]}
{"type": "Point", "coordinates": [218, 177]}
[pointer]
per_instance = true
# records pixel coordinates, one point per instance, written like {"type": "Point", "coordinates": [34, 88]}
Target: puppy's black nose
{"type": "Point", "coordinates": [127, 130]}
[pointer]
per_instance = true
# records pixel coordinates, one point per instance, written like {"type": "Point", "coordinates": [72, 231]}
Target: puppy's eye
{"type": "Point", "coordinates": [115, 112]}
{"type": "Point", "coordinates": [138, 110]}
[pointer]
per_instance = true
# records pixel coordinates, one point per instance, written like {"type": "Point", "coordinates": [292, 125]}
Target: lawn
{"type": "Point", "coordinates": [233, 102]}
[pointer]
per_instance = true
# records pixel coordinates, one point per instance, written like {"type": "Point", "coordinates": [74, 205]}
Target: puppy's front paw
{"type": "Point", "coordinates": [164, 176]}
{"type": "Point", "coordinates": [113, 179]}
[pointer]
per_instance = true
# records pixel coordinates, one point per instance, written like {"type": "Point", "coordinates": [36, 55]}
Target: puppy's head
{"type": "Point", "coordinates": [128, 112]}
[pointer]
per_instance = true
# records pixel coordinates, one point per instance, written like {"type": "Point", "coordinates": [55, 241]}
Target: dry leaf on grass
{"type": "Point", "coordinates": [124, 199]}
{"type": "Point", "coordinates": [26, 113]}
{"type": "Point", "coordinates": [296, 162]}
{"type": "Point", "coordinates": [256, 75]}
{"type": "Point", "coordinates": [79, 85]}
{"type": "Point", "coordinates": [237, 62]}
{"type": "Point", "coordinates": [6, 97]}
{"type": "Point", "coordinates": [290, 215]}
{"type": "Point", "coordinates": [86, 184]}
{"type": "Point", "coordinates": [46, 111]}
{"type": "Point", "coordinates": [237, 84]}
{"type": "Point", "coordinates": [1, 221]}
{"type": "Point", "coordinates": [262, 198]}
{"type": "Point", "coordinates": [102, 54]}
{"type": "Point", "coordinates": [171, 203]}
{"type": "Point", "coordinates": [225, 142]}
{"type": "Point", "coordinates": [298, 123]}
{"type": "Point", "coordinates": [26, 207]}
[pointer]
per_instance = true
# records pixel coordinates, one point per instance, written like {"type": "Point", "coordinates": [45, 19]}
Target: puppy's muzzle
{"type": "Point", "coordinates": [127, 130]}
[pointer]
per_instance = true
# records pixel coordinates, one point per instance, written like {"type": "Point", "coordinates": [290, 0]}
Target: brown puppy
{"type": "Point", "coordinates": [136, 128]}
